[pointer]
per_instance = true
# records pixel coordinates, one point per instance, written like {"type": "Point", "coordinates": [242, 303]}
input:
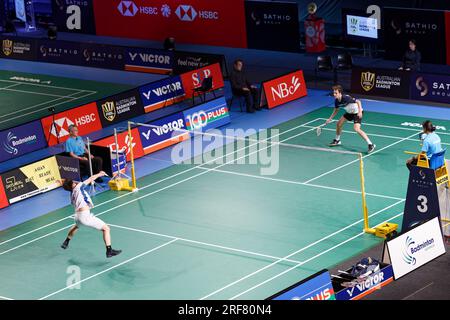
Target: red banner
{"type": "Point", "coordinates": [447, 34]}
{"type": "Point", "coordinates": [3, 200]}
{"type": "Point", "coordinates": [218, 23]}
{"type": "Point", "coordinates": [283, 89]}
{"type": "Point", "coordinates": [85, 118]}
{"type": "Point", "coordinates": [193, 79]}
{"type": "Point", "coordinates": [124, 143]}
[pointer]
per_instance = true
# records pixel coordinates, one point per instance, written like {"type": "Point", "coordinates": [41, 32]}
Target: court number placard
{"type": "Point", "coordinates": [423, 201]}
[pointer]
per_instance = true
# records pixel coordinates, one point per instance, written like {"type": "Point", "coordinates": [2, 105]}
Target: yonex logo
{"type": "Point", "coordinates": [128, 8]}
{"type": "Point", "coordinates": [186, 13]}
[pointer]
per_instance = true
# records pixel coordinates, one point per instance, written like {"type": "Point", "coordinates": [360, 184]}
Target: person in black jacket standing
{"type": "Point", "coordinates": [411, 58]}
{"type": "Point", "coordinates": [243, 88]}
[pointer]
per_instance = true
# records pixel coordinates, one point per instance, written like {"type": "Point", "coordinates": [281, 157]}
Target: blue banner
{"type": "Point", "coordinates": [163, 133]}
{"type": "Point", "coordinates": [422, 202]}
{"type": "Point", "coordinates": [212, 114]}
{"type": "Point", "coordinates": [74, 16]}
{"type": "Point", "coordinates": [148, 60]}
{"type": "Point", "coordinates": [430, 87]}
{"type": "Point", "coordinates": [316, 287]}
{"type": "Point", "coordinates": [103, 56]}
{"type": "Point", "coordinates": [20, 140]}
{"type": "Point", "coordinates": [64, 52]}
{"type": "Point", "coordinates": [373, 282]}
{"type": "Point", "coordinates": [162, 93]}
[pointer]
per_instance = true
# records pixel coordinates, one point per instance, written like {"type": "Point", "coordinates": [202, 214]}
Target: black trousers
{"type": "Point", "coordinates": [97, 165]}
{"type": "Point", "coordinates": [251, 97]}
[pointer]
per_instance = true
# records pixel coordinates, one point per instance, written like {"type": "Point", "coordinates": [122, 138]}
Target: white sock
{"type": "Point", "coordinates": [368, 141]}
{"type": "Point", "coordinates": [338, 137]}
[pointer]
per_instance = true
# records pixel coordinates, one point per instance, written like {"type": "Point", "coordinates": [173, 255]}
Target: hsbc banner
{"type": "Point", "coordinates": [74, 16]}
{"type": "Point", "coordinates": [431, 87]}
{"type": "Point", "coordinates": [283, 89]}
{"type": "Point", "coordinates": [194, 79]}
{"type": "Point", "coordinates": [20, 140]}
{"type": "Point", "coordinates": [32, 179]}
{"type": "Point", "coordinates": [427, 27]}
{"type": "Point", "coordinates": [148, 60]}
{"type": "Point", "coordinates": [120, 107]}
{"type": "Point", "coordinates": [217, 23]}
{"type": "Point", "coordinates": [86, 118]}
{"type": "Point", "coordinates": [18, 48]}
{"type": "Point", "coordinates": [64, 52]}
{"type": "Point", "coordinates": [103, 56]}
{"type": "Point", "coordinates": [159, 94]}
{"type": "Point", "coordinates": [272, 25]}
{"type": "Point", "coordinates": [381, 82]}
{"type": "Point", "coordinates": [124, 143]}
{"type": "Point", "coordinates": [163, 133]}
{"type": "Point", "coordinates": [3, 199]}
{"type": "Point", "coordinates": [210, 115]}
{"type": "Point", "coordinates": [188, 61]}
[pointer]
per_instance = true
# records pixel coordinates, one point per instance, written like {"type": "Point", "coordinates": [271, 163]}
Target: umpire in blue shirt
{"type": "Point", "coordinates": [76, 148]}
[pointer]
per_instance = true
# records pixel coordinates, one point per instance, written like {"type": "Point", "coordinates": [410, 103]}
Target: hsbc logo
{"type": "Point", "coordinates": [61, 127]}
{"type": "Point", "coordinates": [128, 8]}
{"type": "Point", "coordinates": [284, 89]}
{"type": "Point", "coordinates": [188, 13]}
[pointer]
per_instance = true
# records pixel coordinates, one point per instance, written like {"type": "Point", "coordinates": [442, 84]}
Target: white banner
{"type": "Point", "coordinates": [20, 10]}
{"type": "Point", "coordinates": [416, 247]}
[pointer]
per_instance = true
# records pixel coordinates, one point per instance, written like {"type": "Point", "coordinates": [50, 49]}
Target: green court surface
{"type": "Point", "coordinates": [25, 97]}
{"type": "Point", "coordinates": [222, 231]}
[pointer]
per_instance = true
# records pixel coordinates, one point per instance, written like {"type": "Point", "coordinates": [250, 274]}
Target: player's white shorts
{"type": "Point", "coordinates": [86, 218]}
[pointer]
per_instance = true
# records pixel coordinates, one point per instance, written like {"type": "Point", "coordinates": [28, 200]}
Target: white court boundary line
{"type": "Point", "coordinates": [109, 269]}
{"type": "Point", "coordinates": [297, 252]}
{"type": "Point", "coordinates": [310, 259]}
{"type": "Point", "coordinates": [5, 298]}
{"type": "Point", "coordinates": [206, 244]}
{"type": "Point", "coordinates": [21, 109]}
{"type": "Point", "coordinates": [302, 183]}
{"type": "Point", "coordinates": [138, 198]}
{"type": "Point", "coordinates": [149, 185]}
{"type": "Point", "coordinates": [41, 85]}
{"type": "Point", "coordinates": [70, 99]}
{"type": "Point", "coordinates": [373, 134]}
{"type": "Point", "coordinates": [391, 127]}
{"type": "Point", "coordinates": [367, 155]}
{"type": "Point", "coordinates": [37, 93]}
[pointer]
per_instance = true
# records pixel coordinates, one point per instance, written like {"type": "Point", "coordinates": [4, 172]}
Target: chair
{"type": "Point", "coordinates": [323, 63]}
{"type": "Point", "coordinates": [239, 97]}
{"type": "Point", "coordinates": [207, 85]}
{"type": "Point", "coordinates": [344, 62]}
{"type": "Point", "coordinates": [437, 163]}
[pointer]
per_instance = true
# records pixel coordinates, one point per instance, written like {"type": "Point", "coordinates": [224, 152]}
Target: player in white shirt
{"type": "Point", "coordinates": [83, 204]}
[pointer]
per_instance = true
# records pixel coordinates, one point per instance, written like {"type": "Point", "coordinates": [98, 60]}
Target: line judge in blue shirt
{"type": "Point", "coordinates": [431, 143]}
{"type": "Point", "coordinates": [76, 148]}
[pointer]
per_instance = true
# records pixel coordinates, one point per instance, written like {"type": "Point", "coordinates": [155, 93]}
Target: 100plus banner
{"type": "Point", "coordinates": [189, 21]}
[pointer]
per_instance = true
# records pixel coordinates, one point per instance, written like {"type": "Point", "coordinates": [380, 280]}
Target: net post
{"type": "Point", "coordinates": [133, 173]}
{"type": "Point", "coordinates": [363, 195]}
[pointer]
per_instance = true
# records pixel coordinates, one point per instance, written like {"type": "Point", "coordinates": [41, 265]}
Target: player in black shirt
{"type": "Point", "coordinates": [353, 112]}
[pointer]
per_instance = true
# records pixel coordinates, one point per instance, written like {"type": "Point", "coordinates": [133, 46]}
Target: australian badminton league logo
{"type": "Point", "coordinates": [7, 47]}
{"type": "Point", "coordinates": [109, 110]}
{"type": "Point", "coordinates": [367, 80]}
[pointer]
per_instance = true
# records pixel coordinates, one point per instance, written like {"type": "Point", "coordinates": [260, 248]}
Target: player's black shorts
{"type": "Point", "coordinates": [353, 117]}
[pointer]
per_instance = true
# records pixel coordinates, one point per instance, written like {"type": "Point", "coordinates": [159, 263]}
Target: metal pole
{"type": "Point", "coordinates": [117, 152]}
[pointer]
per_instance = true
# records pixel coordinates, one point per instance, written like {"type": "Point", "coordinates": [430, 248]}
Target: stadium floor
{"type": "Point", "coordinates": [233, 233]}
{"type": "Point", "coordinates": [25, 97]}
